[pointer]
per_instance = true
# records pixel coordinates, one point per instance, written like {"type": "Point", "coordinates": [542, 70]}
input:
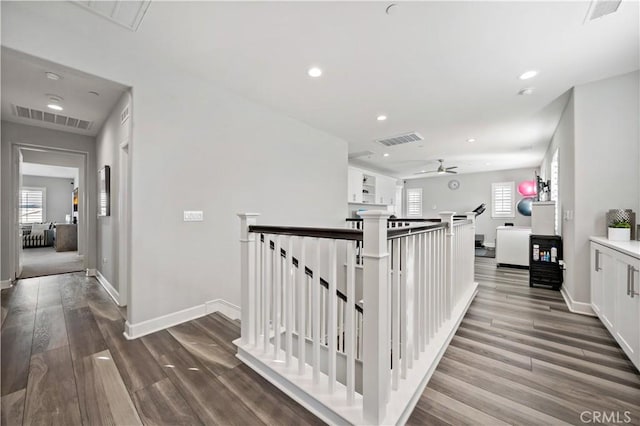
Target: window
{"type": "Point", "coordinates": [502, 200]}
{"type": "Point", "coordinates": [554, 186]}
{"type": "Point", "coordinates": [32, 202]}
{"type": "Point", "coordinates": [414, 202]}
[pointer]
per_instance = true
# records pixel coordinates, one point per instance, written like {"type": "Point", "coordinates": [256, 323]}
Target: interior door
{"type": "Point", "coordinates": [18, 190]}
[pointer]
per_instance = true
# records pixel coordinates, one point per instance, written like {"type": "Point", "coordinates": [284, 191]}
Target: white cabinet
{"type": "Point", "coordinates": [627, 313]}
{"type": "Point", "coordinates": [615, 296]}
{"type": "Point", "coordinates": [603, 275]}
{"type": "Point", "coordinates": [370, 188]}
{"type": "Point", "coordinates": [354, 186]}
{"type": "Point", "coordinates": [512, 245]}
{"type": "Point", "coordinates": [385, 190]}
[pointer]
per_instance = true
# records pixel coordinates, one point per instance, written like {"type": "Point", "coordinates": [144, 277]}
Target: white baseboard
{"type": "Point", "coordinates": [224, 307]}
{"type": "Point", "coordinates": [91, 272]}
{"type": "Point", "coordinates": [107, 286]}
{"type": "Point", "coordinates": [5, 284]}
{"type": "Point", "coordinates": [576, 307]}
{"type": "Point", "coordinates": [133, 331]}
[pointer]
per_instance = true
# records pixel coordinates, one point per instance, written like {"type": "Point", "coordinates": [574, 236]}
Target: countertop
{"type": "Point", "coordinates": [631, 248]}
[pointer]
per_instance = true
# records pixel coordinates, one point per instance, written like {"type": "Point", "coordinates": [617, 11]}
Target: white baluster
{"type": "Point", "coordinates": [277, 297]}
{"type": "Point", "coordinates": [302, 303]}
{"type": "Point", "coordinates": [448, 250]}
{"type": "Point", "coordinates": [350, 323]}
{"type": "Point", "coordinates": [405, 355]}
{"type": "Point", "coordinates": [417, 270]}
{"type": "Point", "coordinates": [315, 307]}
{"type": "Point", "coordinates": [332, 301]}
{"type": "Point", "coordinates": [267, 281]}
{"type": "Point", "coordinates": [257, 303]}
{"type": "Point", "coordinates": [288, 299]}
{"type": "Point", "coordinates": [395, 319]}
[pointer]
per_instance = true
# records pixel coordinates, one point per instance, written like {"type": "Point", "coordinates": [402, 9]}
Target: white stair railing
{"type": "Point", "coordinates": [303, 331]}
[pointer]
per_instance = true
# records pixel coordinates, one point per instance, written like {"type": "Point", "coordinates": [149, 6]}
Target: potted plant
{"type": "Point", "coordinates": [620, 230]}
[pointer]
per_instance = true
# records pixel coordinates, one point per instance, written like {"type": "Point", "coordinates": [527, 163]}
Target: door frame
{"type": "Point", "coordinates": [124, 223]}
{"type": "Point", "coordinates": [83, 201]}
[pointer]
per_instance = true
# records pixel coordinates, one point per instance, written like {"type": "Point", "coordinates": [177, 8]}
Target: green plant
{"type": "Point", "coordinates": [620, 224]}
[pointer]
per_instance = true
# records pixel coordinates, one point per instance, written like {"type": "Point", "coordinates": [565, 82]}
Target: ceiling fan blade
{"type": "Point", "coordinates": [452, 167]}
{"type": "Point", "coordinates": [425, 173]}
{"type": "Point", "coordinates": [452, 172]}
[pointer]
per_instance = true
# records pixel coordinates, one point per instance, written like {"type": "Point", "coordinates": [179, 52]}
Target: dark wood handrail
{"type": "Point", "coordinates": [412, 230]}
{"type": "Point", "coordinates": [331, 233]}
{"type": "Point", "coordinates": [309, 272]}
{"type": "Point", "coordinates": [413, 219]}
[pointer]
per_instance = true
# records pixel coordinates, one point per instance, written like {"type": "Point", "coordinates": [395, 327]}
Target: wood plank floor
{"type": "Point", "coordinates": [519, 357]}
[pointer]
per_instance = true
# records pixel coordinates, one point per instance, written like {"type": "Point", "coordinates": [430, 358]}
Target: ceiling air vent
{"type": "Point", "coordinates": [47, 117]}
{"type": "Point", "coordinates": [360, 154]}
{"type": "Point", "coordinates": [600, 8]}
{"type": "Point", "coordinates": [401, 139]}
{"type": "Point", "coordinates": [127, 13]}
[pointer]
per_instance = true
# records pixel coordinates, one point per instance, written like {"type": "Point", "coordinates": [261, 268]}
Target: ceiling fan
{"type": "Point", "coordinates": [440, 170]}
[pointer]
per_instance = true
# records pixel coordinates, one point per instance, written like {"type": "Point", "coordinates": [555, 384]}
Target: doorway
{"type": "Point", "coordinates": [48, 213]}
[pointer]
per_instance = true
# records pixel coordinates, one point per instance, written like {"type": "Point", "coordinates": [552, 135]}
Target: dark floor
{"type": "Point", "coordinates": [519, 357]}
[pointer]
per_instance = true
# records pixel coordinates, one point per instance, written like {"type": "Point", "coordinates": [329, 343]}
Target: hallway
{"type": "Point", "coordinates": [519, 357]}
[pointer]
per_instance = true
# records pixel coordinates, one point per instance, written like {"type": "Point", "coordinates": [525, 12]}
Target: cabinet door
{"type": "Point", "coordinates": [608, 274]}
{"type": "Point", "coordinates": [628, 306]}
{"type": "Point", "coordinates": [385, 190]}
{"type": "Point", "coordinates": [354, 186]}
{"type": "Point", "coordinates": [596, 278]}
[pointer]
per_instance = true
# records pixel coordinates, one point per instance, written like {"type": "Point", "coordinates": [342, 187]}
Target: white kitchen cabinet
{"type": "Point", "coordinates": [627, 314]}
{"type": "Point", "coordinates": [354, 183]}
{"type": "Point", "coordinates": [385, 190]}
{"type": "Point", "coordinates": [615, 291]}
{"type": "Point", "coordinates": [603, 275]}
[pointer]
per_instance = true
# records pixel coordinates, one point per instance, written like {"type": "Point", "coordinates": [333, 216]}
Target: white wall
{"type": "Point", "coordinates": [112, 134]}
{"type": "Point", "coordinates": [475, 189]}
{"type": "Point", "coordinates": [19, 134]}
{"type": "Point", "coordinates": [607, 174]}
{"type": "Point", "coordinates": [195, 146]}
{"type": "Point", "coordinates": [58, 196]}
{"type": "Point", "coordinates": [599, 162]}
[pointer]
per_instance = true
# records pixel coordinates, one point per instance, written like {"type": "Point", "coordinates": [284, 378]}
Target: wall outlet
{"type": "Point", "coordinates": [104, 260]}
{"type": "Point", "coordinates": [193, 216]}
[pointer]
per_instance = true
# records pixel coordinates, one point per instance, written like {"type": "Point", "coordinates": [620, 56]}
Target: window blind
{"type": "Point", "coordinates": [32, 205]}
{"type": "Point", "coordinates": [414, 202]}
{"type": "Point", "coordinates": [502, 200]}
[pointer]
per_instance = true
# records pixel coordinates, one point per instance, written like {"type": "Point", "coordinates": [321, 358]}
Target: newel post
{"type": "Point", "coordinates": [247, 278]}
{"type": "Point", "coordinates": [447, 217]}
{"type": "Point", "coordinates": [376, 352]}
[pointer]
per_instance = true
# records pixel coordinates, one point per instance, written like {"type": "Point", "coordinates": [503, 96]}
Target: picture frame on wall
{"type": "Point", "coordinates": [104, 191]}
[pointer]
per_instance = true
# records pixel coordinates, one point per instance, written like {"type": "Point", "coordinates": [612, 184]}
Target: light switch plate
{"type": "Point", "coordinates": [193, 216]}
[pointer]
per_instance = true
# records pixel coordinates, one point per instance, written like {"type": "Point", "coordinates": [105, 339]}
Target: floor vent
{"type": "Point", "coordinates": [600, 8]}
{"type": "Point", "coordinates": [400, 139]}
{"type": "Point", "coordinates": [47, 117]}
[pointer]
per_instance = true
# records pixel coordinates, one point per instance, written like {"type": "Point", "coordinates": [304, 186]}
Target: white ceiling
{"type": "Point", "coordinates": [24, 83]}
{"type": "Point", "coordinates": [447, 70]}
{"type": "Point", "coordinates": [34, 169]}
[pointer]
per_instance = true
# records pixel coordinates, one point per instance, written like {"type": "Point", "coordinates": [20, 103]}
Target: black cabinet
{"type": "Point", "coordinates": [545, 254]}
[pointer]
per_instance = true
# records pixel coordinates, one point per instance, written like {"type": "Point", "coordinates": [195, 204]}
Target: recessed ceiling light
{"type": "Point", "coordinates": [423, 171]}
{"type": "Point", "coordinates": [314, 72]}
{"type": "Point", "coordinates": [471, 140]}
{"type": "Point", "coordinates": [528, 74]}
{"type": "Point", "coordinates": [487, 164]}
{"type": "Point", "coordinates": [382, 117]}
{"type": "Point", "coordinates": [55, 107]}
{"type": "Point", "coordinates": [526, 91]}
{"type": "Point", "coordinates": [52, 76]}
{"type": "Point", "coordinates": [386, 154]}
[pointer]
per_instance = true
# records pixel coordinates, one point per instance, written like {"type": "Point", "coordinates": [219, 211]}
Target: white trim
{"type": "Point", "coordinates": [5, 284]}
{"type": "Point", "coordinates": [92, 272]}
{"type": "Point", "coordinates": [576, 307]}
{"type": "Point", "coordinates": [224, 307]}
{"type": "Point", "coordinates": [107, 286]}
{"type": "Point", "coordinates": [133, 331]}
